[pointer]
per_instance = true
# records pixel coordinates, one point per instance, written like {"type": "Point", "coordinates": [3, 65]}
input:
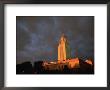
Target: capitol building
{"type": "Point", "coordinates": [64, 58]}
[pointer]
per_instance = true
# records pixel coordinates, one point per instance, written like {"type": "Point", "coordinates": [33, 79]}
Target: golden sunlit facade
{"type": "Point", "coordinates": [89, 62]}
{"type": "Point", "coordinates": [64, 58]}
{"type": "Point", "coordinates": [62, 49]}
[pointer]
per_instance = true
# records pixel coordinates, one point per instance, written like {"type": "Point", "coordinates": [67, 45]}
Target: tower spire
{"type": "Point", "coordinates": [63, 49]}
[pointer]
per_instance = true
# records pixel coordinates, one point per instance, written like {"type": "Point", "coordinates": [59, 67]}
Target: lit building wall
{"type": "Point", "coordinates": [63, 49]}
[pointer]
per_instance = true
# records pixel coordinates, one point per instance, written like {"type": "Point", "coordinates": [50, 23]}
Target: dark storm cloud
{"type": "Point", "coordinates": [37, 37]}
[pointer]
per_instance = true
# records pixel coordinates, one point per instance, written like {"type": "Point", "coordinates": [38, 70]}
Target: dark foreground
{"type": "Point", "coordinates": [27, 68]}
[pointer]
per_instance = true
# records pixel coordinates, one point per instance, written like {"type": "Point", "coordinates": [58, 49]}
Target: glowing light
{"type": "Point", "coordinates": [89, 62]}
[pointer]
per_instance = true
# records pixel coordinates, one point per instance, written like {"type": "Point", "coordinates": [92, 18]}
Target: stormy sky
{"type": "Point", "coordinates": [37, 37]}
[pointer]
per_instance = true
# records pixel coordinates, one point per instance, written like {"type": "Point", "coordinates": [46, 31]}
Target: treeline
{"type": "Point", "coordinates": [37, 68]}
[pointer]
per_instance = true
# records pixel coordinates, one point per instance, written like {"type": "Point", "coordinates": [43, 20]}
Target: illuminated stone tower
{"type": "Point", "coordinates": [63, 49]}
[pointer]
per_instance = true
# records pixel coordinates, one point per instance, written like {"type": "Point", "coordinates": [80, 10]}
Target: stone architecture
{"type": "Point", "coordinates": [64, 58]}
{"type": "Point", "coordinates": [63, 49]}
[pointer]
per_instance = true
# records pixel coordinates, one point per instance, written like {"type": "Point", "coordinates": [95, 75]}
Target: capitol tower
{"type": "Point", "coordinates": [64, 52]}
